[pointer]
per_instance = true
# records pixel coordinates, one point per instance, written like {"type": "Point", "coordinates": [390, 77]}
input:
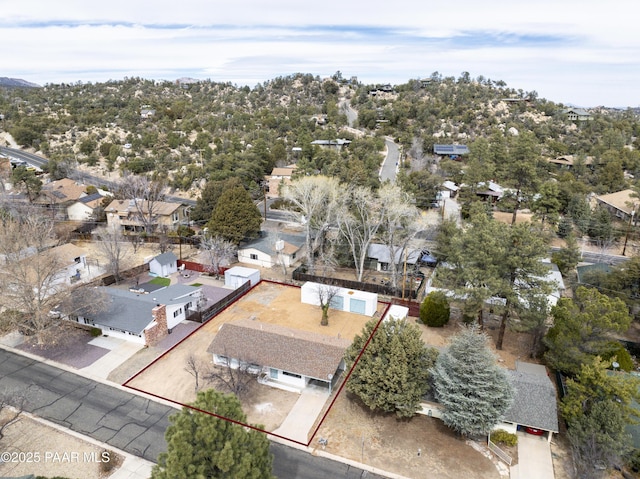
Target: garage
{"type": "Point", "coordinates": [358, 306]}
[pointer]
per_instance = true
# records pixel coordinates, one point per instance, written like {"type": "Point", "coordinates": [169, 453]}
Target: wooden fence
{"type": "Point", "coordinates": [214, 309]}
{"type": "Point", "coordinates": [300, 274]}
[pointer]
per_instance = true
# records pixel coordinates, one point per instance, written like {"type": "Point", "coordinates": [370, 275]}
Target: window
{"type": "Point", "coordinates": [175, 216]}
{"type": "Point", "coordinates": [287, 373]}
{"type": "Point", "coordinates": [253, 256]}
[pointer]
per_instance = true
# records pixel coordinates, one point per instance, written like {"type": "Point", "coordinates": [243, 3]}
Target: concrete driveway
{"type": "Point", "coordinates": [534, 458]}
{"type": "Point", "coordinates": [305, 411]}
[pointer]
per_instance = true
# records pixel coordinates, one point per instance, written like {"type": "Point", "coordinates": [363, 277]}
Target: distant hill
{"type": "Point", "coordinates": [16, 83]}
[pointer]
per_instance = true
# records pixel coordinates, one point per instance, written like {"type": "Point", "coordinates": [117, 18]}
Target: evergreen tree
{"type": "Point", "coordinates": [474, 391]}
{"type": "Point", "coordinates": [581, 329]}
{"type": "Point", "coordinates": [393, 371]}
{"type": "Point", "coordinates": [202, 446]}
{"type": "Point", "coordinates": [236, 216]}
{"type": "Point", "coordinates": [435, 309]}
{"type": "Point", "coordinates": [597, 409]}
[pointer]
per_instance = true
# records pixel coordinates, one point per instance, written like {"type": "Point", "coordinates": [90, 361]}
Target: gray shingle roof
{"type": "Point", "coordinates": [301, 352]}
{"type": "Point", "coordinates": [534, 401]}
{"type": "Point", "coordinates": [131, 312]}
{"type": "Point", "coordinates": [267, 243]}
{"type": "Point", "coordinates": [166, 258]}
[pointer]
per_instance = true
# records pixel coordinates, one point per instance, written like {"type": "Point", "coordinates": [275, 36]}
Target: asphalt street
{"type": "Point", "coordinates": [390, 164]}
{"type": "Point", "coordinates": [86, 178]}
{"type": "Point", "coordinates": [128, 421]}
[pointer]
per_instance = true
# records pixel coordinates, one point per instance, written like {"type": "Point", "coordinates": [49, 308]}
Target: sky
{"type": "Point", "coordinates": [583, 53]}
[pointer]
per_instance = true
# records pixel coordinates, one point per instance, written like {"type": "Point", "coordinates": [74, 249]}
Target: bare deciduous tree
{"type": "Point", "coordinates": [145, 196]}
{"type": "Point", "coordinates": [219, 252]}
{"type": "Point", "coordinates": [31, 276]}
{"type": "Point", "coordinates": [400, 224]}
{"type": "Point", "coordinates": [12, 404]}
{"type": "Point", "coordinates": [235, 380]}
{"type": "Point", "coordinates": [326, 293]}
{"type": "Point", "coordinates": [314, 200]}
{"type": "Point", "coordinates": [195, 367]}
{"type": "Point", "coordinates": [115, 250]}
{"type": "Point", "coordinates": [359, 217]}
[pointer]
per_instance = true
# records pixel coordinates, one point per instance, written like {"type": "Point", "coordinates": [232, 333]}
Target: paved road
{"type": "Point", "coordinates": [352, 115]}
{"type": "Point", "coordinates": [128, 421]}
{"type": "Point", "coordinates": [86, 178]}
{"type": "Point", "coordinates": [390, 163]}
{"type": "Point", "coordinates": [593, 257]}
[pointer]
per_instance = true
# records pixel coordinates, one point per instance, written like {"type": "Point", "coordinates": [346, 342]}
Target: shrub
{"type": "Point", "coordinates": [500, 436]}
{"type": "Point", "coordinates": [619, 354]}
{"type": "Point", "coordinates": [435, 310]}
{"type": "Point", "coordinates": [95, 332]}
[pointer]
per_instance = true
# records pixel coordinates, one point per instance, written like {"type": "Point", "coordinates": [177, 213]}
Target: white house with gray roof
{"type": "Point", "coordinates": [534, 400]}
{"type": "Point", "coordinates": [144, 318]}
{"type": "Point", "coordinates": [283, 357]}
{"type": "Point", "coordinates": [272, 249]}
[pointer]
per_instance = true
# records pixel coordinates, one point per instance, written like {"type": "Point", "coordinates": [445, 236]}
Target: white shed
{"type": "Point", "coordinates": [238, 275]}
{"type": "Point", "coordinates": [396, 312]}
{"type": "Point", "coordinates": [164, 264]}
{"type": "Point", "coordinates": [349, 300]}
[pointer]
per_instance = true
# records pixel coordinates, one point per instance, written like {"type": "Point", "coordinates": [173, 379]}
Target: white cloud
{"type": "Point", "coordinates": [584, 52]}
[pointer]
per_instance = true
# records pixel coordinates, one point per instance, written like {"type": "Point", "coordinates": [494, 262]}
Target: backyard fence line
{"type": "Point", "coordinates": [299, 274]}
{"type": "Point", "coordinates": [211, 311]}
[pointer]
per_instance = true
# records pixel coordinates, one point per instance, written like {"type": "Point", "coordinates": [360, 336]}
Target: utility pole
{"type": "Point", "coordinates": [264, 197]}
{"type": "Point", "coordinates": [626, 236]}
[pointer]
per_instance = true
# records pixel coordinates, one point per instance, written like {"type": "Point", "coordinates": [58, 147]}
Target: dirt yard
{"type": "Point", "coordinates": [392, 445]}
{"type": "Point", "coordinates": [270, 303]}
{"type": "Point", "coordinates": [52, 453]}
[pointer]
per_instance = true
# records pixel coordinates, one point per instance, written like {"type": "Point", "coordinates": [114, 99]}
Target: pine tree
{"type": "Point", "coordinates": [393, 371]}
{"type": "Point", "coordinates": [236, 216]}
{"type": "Point", "coordinates": [202, 446]}
{"type": "Point", "coordinates": [474, 391]}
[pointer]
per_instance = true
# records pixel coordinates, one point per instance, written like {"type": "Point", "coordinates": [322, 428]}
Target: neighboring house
{"type": "Point", "coordinates": [567, 162]}
{"type": "Point", "coordinates": [620, 204]}
{"type": "Point", "coordinates": [272, 249]}
{"type": "Point", "coordinates": [61, 192]}
{"type": "Point", "coordinates": [144, 318]}
{"type": "Point", "coordinates": [379, 256]}
{"type": "Point", "coordinates": [332, 144]}
{"type": "Point", "coordinates": [283, 357]}
{"type": "Point", "coordinates": [126, 215]}
{"type": "Point", "coordinates": [449, 190]}
{"type": "Point", "coordinates": [349, 300]}
{"type": "Point", "coordinates": [84, 208]}
{"type": "Point", "coordinates": [577, 114]}
{"type": "Point", "coordinates": [237, 276]}
{"type": "Point", "coordinates": [554, 277]}
{"type": "Point", "coordinates": [534, 400]}
{"type": "Point", "coordinates": [164, 265]}
{"type": "Point", "coordinates": [146, 113]}
{"type": "Point", "coordinates": [279, 176]}
{"type": "Point", "coordinates": [450, 150]}
{"type": "Point", "coordinates": [490, 191]}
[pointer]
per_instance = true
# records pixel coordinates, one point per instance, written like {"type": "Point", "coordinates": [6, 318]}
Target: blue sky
{"type": "Point", "coordinates": [585, 52]}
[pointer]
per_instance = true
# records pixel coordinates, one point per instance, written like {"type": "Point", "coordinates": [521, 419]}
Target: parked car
{"type": "Point", "coordinates": [534, 431]}
{"type": "Point", "coordinates": [428, 259]}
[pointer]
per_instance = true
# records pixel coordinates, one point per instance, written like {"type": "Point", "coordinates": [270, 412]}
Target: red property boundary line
{"type": "Point", "coordinates": [355, 363]}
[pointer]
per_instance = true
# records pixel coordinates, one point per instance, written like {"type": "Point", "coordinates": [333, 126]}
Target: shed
{"type": "Point", "coordinates": [238, 275]}
{"type": "Point", "coordinates": [164, 264]}
{"type": "Point", "coordinates": [396, 312]}
{"type": "Point", "coordinates": [349, 300]}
